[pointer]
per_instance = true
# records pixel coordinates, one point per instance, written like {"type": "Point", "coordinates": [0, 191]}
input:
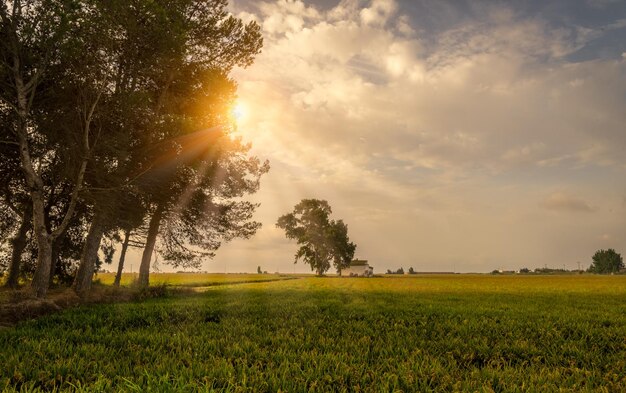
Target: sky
{"type": "Point", "coordinates": [455, 135]}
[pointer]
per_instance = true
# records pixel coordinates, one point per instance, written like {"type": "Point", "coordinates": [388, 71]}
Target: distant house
{"type": "Point", "coordinates": [358, 268]}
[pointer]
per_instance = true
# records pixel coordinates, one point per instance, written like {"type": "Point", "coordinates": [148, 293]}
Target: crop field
{"type": "Point", "coordinates": [418, 333]}
{"type": "Point", "coordinates": [192, 279]}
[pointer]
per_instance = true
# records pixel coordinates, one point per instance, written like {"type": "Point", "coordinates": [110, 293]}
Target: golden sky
{"type": "Point", "coordinates": [448, 135]}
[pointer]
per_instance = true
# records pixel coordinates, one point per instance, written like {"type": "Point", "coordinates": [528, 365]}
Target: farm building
{"type": "Point", "coordinates": [358, 267]}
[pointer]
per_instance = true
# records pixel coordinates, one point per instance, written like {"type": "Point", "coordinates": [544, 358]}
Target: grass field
{"type": "Point", "coordinates": [424, 333]}
{"type": "Point", "coordinates": [192, 279]}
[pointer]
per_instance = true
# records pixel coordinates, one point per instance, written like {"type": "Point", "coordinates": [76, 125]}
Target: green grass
{"type": "Point", "coordinates": [441, 333]}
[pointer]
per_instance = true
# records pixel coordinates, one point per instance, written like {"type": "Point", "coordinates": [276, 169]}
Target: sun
{"type": "Point", "coordinates": [239, 111]}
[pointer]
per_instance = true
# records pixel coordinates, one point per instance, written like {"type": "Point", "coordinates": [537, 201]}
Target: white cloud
{"type": "Point", "coordinates": [465, 129]}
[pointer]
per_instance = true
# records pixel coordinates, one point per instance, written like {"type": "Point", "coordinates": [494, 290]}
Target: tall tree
{"type": "Point", "coordinates": [199, 204]}
{"type": "Point", "coordinates": [322, 241]}
{"type": "Point", "coordinates": [41, 49]}
{"type": "Point", "coordinates": [102, 98]}
{"type": "Point", "coordinates": [15, 209]}
{"type": "Point", "coordinates": [196, 168]}
{"type": "Point", "coordinates": [171, 65]}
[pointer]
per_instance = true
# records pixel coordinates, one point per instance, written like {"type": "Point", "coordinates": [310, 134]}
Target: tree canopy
{"type": "Point", "coordinates": [322, 241]}
{"type": "Point", "coordinates": [606, 261]}
{"type": "Point", "coordinates": [115, 117]}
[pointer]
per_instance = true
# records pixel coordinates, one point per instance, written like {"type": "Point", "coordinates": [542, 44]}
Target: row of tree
{"type": "Point", "coordinates": [116, 127]}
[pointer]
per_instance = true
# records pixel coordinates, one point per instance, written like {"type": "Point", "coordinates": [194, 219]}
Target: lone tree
{"type": "Point", "coordinates": [606, 261]}
{"type": "Point", "coordinates": [322, 241]}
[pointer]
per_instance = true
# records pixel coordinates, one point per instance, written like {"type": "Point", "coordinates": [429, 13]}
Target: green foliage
{"type": "Point", "coordinates": [606, 261]}
{"type": "Point", "coordinates": [128, 103]}
{"type": "Point", "coordinates": [417, 333]}
{"type": "Point", "coordinates": [321, 239]}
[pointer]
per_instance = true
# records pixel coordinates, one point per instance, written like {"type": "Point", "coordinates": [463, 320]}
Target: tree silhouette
{"type": "Point", "coordinates": [322, 241]}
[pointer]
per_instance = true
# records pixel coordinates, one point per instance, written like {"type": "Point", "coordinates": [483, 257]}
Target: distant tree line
{"type": "Point", "coordinates": [116, 131]}
{"type": "Point", "coordinates": [602, 262]}
{"type": "Point", "coordinates": [399, 271]}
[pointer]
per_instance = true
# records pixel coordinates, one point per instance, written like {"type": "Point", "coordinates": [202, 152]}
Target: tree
{"type": "Point", "coordinates": [258, 270]}
{"type": "Point", "coordinates": [169, 139]}
{"type": "Point", "coordinates": [52, 80]}
{"type": "Point", "coordinates": [195, 169]}
{"type": "Point", "coordinates": [606, 261]}
{"type": "Point", "coordinates": [322, 241]}
{"type": "Point", "coordinates": [411, 270]}
{"type": "Point", "coordinates": [102, 99]}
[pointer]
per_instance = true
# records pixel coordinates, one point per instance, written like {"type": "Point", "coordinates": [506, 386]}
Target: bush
{"type": "Point", "coordinates": [152, 292]}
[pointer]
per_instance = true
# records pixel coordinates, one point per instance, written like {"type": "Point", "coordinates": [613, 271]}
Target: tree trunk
{"type": "Point", "coordinates": [54, 256]}
{"type": "Point", "coordinates": [120, 265]}
{"type": "Point", "coordinates": [56, 251]}
{"type": "Point", "coordinates": [84, 276]}
{"type": "Point", "coordinates": [24, 93]}
{"type": "Point", "coordinates": [19, 243]}
{"type": "Point", "coordinates": [41, 278]}
{"type": "Point", "coordinates": [153, 231]}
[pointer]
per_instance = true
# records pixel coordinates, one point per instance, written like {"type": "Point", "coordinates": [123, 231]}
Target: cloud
{"type": "Point", "coordinates": [479, 95]}
{"type": "Point", "coordinates": [563, 202]}
{"type": "Point", "coordinates": [378, 13]}
{"type": "Point", "coordinates": [460, 125]}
